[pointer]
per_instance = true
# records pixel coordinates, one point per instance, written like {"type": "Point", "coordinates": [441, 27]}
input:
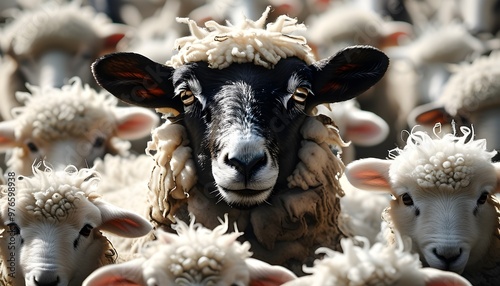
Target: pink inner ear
{"type": "Point", "coordinates": [370, 178]}
{"type": "Point", "coordinates": [136, 123]}
{"type": "Point", "coordinates": [366, 129]}
{"type": "Point", "coordinates": [114, 281]}
{"type": "Point", "coordinates": [123, 224]}
{"type": "Point", "coordinates": [112, 40]}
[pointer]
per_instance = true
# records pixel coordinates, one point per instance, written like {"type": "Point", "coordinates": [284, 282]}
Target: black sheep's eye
{"type": "Point", "coordinates": [482, 199]}
{"type": "Point", "coordinates": [14, 229]}
{"type": "Point", "coordinates": [32, 147]}
{"type": "Point", "coordinates": [407, 200]}
{"type": "Point", "coordinates": [300, 94]}
{"type": "Point", "coordinates": [86, 229]}
{"type": "Point", "coordinates": [187, 97]}
{"type": "Point", "coordinates": [99, 142]}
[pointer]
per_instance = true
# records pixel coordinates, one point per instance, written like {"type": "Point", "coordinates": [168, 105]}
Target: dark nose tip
{"type": "Point", "coordinates": [46, 280]}
{"type": "Point", "coordinates": [448, 256]}
{"type": "Point", "coordinates": [247, 165]}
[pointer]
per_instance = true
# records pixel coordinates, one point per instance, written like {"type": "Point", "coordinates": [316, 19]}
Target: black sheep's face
{"type": "Point", "coordinates": [243, 121]}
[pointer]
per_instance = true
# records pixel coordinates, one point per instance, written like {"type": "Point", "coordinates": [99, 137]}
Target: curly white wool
{"type": "Point", "coordinates": [473, 86]}
{"type": "Point", "coordinates": [32, 27]}
{"type": "Point", "coordinates": [50, 195]}
{"type": "Point", "coordinates": [317, 163]}
{"type": "Point", "coordinates": [247, 42]}
{"type": "Point", "coordinates": [196, 253]}
{"type": "Point", "coordinates": [174, 174]}
{"type": "Point", "coordinates": [69, 111]}
{"type": "Point", "coordinates": [379, 264]}
{"type": "Point", "coordinates": [442, 162]}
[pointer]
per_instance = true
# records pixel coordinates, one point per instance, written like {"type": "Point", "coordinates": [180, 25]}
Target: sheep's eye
{"type": "Point", "coordinates": [300, 94]}
{"type": "Point", "coordinates": [407, 200]}
{"type": "Point", "coordinates": [99, 142]}
{"type": "Point", "coordinates": [187, 97]}
{"type": "Point", "coordinates": [14, 229]}
{"type": "Point", "coordinates": [482, 199]}
{"type": "Point", "coordinates": [86, 229]}
{"type": "Point", "coordinates": [32, 147]}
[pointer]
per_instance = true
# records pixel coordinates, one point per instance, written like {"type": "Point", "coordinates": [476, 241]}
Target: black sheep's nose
{"type": "Point", "coordinates": [247, 165]}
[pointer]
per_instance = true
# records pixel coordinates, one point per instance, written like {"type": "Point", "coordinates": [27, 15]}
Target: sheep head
{"type": "Point", "coordinates": [70, 125]}
{"type": "Point", "coordinates": [52, 225]}
{"type": "Point", "coordinates": [443, 191]}
{"type": "Point", "coordinates": [194, 255]}
{"type": "Point", "coordinates": [54, 42]}
{"type": "Point", "coordinates": [242, 93]}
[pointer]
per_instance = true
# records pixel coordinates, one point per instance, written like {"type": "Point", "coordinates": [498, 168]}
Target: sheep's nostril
{"type": "Point", "coordinates": [44, 280]}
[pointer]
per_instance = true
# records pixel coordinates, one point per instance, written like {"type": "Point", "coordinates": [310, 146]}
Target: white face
{"type": "Point", "coordinates": [450, 229]}
{"type": "Point", "coordinates": [80, 152]}
{"type": "Point", "coordinates": [54, 68]}
{"type": "Point", "coordinates": [52, 252]}
{"type": "Point", "coordinates": [244, 170]}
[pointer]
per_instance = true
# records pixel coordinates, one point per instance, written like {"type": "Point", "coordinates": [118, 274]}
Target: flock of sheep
{"type": "Point", "coordinates": [270, 142]}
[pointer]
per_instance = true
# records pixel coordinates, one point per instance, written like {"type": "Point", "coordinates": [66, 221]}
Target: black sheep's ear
{"type": "Point", "coordinates": [137, 80]}
{"type": "Point", "coordinates": [346, 75]}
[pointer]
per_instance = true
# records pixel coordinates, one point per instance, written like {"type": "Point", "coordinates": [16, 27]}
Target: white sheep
{"type": "Point", "coordinates": [378, 264]}
{"type": "Point", "coordinates": [70, 125]}
{"type": "Point", "coordinates": [472, 95]}
{"type": "Point", "coordinates": [194, 255]}
{"type": "Point", "coordinates": [443, 191]}
{"type": "Point", "coordinates": [51, 227]}
{"type": "Point", "coordinates": [49, 44]}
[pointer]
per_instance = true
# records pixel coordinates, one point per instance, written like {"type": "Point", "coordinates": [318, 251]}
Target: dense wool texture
{"type": "Point", "coordinates": [474, 86]}
{"type": "Point", "coordinates": [448, 161]}
{"type": "Point", "coordinates": [247, 42]}
{"type": "Point", "coordinates": [197, 254]}
{"type": "Point", "coordinates": [310, 205]}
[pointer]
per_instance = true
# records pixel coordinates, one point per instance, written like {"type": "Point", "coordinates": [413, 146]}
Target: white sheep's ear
{"type": "Point", "coordinates": [123, 274]}
{"type": "Point", "coordinates": [264, 274]}
{"type": "Point", "coordinates": [370, 174]}
{"type": "Point", "coordinates": [135, 122]}
{"type": "Point", "coordinates": [121, 221]}
{"type": "Point", "coordinates": [7, 135]}
{"type": "Point", "coordinates": [436, 277]}
{"type": "Point", "coordinates": [365, 128]}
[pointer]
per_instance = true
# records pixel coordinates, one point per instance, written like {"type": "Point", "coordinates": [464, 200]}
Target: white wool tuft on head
{"type": "Point", "coordinates": [447, 162]}
{"type": "Point", "coordinates": [380, 264]}
{"type": "Point", "coordinates": [51, 195]}
{"type": "Point", "coordinates": [196, 253]}
{"type": "Point", "coordinates": [473, 86]}
{"type": "Point", "coordinates": [247, 42]}
{"type": "Point", "coordinates": [70, 111]}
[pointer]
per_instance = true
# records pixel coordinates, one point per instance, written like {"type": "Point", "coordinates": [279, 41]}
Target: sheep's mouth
{"type": "Point", "coordinates": [244, 197]}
